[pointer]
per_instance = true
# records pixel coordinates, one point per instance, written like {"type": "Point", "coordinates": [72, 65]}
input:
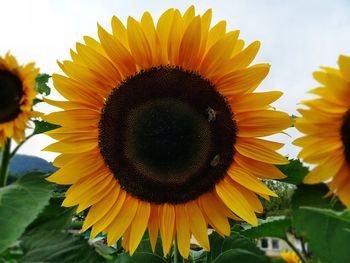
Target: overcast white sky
{"type": "Point", "coordinates": [297, 37]}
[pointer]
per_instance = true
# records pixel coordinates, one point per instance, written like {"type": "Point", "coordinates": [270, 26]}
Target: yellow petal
{"type": "Point", "coordinates": [122, 220]}
{"type": "Point", "coordinates": [256, 150]}
{"type": "Point", "coordinates": [139, 46]}
{"type": "Point", "coordinates": [153, 226]}
{"type": "Point", "coordinates": [198, 225]}
{"type": "Point", "coordinates": [99, 63]}
{"type": "Point", "coordinates": [163, 29]}
{"type": "Point", "coordinates": [100, 209]}
{"type": "Point", "coordinates": [73, 91]}
{"type": "Point", "coordinates": [248, 181]}
{"type": "Point", "coordinates": [326, 170]}
{"type": "Point", "coordinates": [167, 224]}
{"type": "Point", "coordinates": [118, 54]}
{"type": "Point", "coordinates": [243, 80]}
{"type": "Point", "coordinates": [106, 220]}
{"type": "Point", "coordinates": [138, 225]}
{"type": "Point", "coordinates": [259, 169]}
{"type": "Point", "coordinates": [262, 123]}
{"type": "Point", "coordinates": [218, 55]}
{"type": "Point", "coordinates": [190, 44]}
{"type": "Point", "coordinates": [85, 163]}
{"type": "Point", "coordinates": [236, 201]}
{"type": "Point", "coordinates": [344, 65]}
{"type": "Point", "coordinates": [253, 101]}
{"type": "Point", "coordinates": [175, 36]}
{"type": "Point", "coordinates": [119, 31]}
{"type": "Point", "coordinates": [76, 118]}
{"type": "Point", "coordinates": [216, 33]}
{"type": "Point", "coordinates": [215, 212]}
{"type": "Point", "coordinates": [183, 234]}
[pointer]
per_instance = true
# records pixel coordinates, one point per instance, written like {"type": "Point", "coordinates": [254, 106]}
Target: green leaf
{"type": "Point", "coordinates": [53, 216]}
{"type": "Point", "coordinates": [20, 203]}
{"type": "Point", "coordinates": [218, 245]}
{"type": "Point", "coordinates": [342, 215]}
{"type": "Point", "coordinates": [295, 172]}
{"type": "Point", "coordinates": [139, 257]}
{"type": "Point", "coordinates": [43, 126]}
{"type": "Point", "coordinates": [145, 246]}
{"type": "Point", "coordinates": [322, 226]}
{"type": "Point", "coordinates": [56, 246]}
{"type": "Point", "coordinates": [41, 84]}
{"type": "Point", "coordinates": [273, 227]}
{"type": "Point", "coordinates": [240, 255]}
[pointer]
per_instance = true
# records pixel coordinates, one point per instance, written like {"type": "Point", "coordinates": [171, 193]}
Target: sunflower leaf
{"type": "Point", "coordinates": [295, 172]}
{"type": "Point", "coordinates": [20, 203]}
{"type": "Point", "coordinates": [42, 245]}
{"type": "Point", "coordinates": [220, 245]}
{"type": "Point", "coordinates": [274, 227]}
{"type": "Point", "coordinates": [240, 255]}
{"type": "Point", "coordinates": [41, 84]}
{"type": "Point", "coordinates": [54, 216]}
{"type": "Point", "coordinates": [321, 223]}
{"type": "Point", "coordinates": [43, 126]}
{"type": "Point", "coordinates": [139, 257]}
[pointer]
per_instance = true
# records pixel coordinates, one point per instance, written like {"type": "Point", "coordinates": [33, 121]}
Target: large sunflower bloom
{"type": "Point", "coordinates": [159, 130]}
{"type": "Point", "coordinates": [17, 92]}
{"type": "Point", "coordinates": [326, 125]}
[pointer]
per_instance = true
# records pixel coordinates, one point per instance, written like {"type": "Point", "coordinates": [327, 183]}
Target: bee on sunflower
{"type": "Point", "coordinates": [326, 125]}
{"type": "Point", "coordinates": [161, 130]}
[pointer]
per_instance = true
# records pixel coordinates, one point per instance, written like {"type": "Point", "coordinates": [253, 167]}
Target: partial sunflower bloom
{"type": "Point", "coordinates": [159, 130]}
{"type": "Point", "coordinates": [290, 257]}
{"type": "Point", "coordinates": [326, 125]}
{"type": "Point", "coordinates": [17, 92]}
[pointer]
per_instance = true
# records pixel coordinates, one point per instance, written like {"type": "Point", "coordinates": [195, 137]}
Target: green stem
{"type": "Point", "coordinates": [295, 250]}
{"type": "Point", "coordinates": [177, 256]}
{"type": "Point", "coordinates": [5, 162]}
{"type": "Point", "coordinates": [20, 144]}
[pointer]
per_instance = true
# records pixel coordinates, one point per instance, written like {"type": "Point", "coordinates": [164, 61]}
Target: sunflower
{"type": "Point", "coordinates": [17, 92]}
{"type": "Point", "coordinates": [326, 125]}
{"type": "Point", "coordinates": [290, 257]}
{"type": "Point", "coordinates": [159, 130]}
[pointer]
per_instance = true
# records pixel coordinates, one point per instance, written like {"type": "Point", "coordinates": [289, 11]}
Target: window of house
{"type": "Point", "coordinates": [264, 243]}
{"type": "Point", "coordinates": [275, 244]}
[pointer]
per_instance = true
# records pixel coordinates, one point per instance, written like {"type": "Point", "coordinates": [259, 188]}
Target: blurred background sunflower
{"type": "Point", "coordinates": [326, 125]}
{"type": "Point", "coordinates": [160, 126]}
{"type": "Point", "coordinates": [17, 92]}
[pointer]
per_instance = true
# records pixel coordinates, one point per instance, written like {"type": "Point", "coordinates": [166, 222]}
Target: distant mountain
{"type": "Point", "coordinates": [22, 164]}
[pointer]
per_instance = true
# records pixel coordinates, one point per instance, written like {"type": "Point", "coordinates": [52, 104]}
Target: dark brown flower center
{"type": "Point", "coordinates": [167, 135]}
{"type": "Point", "coordinates": [11, 92]}
{"type": "Point", "coordinates": [345, 135]}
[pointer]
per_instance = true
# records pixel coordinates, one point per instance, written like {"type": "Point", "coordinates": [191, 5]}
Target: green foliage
{"type": "Point", "coordinates": [240, 255]}
{"type": "Point", "coordinates": [41, 84]}
{"type": "Point", "coordinates": [234, 248]}
{"type": "Point", "coordinates": [325, 230]}
{"type": "Point", "coordinates": [278, 205]}
{"type": "Point", "coordinates": [42, 245]}
{"type": "Point", "coordinates": [53, 216]}
{"type": "Point", "coordinates": [271, 227]}
{"type": "Point", "coordinates": [295, 172]}
{"type": "Point", "coordinates": [43, 126]}
{"type": "Point", "coordinates": [20, 203]}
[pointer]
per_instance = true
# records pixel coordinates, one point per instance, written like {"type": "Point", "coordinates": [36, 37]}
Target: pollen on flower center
{"type": "Point", "coordinates": [345, 135]}
{"type": "Point", "coordinates": [167, 135]}
{"type": "Point", "coordinates": [11, 93]}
